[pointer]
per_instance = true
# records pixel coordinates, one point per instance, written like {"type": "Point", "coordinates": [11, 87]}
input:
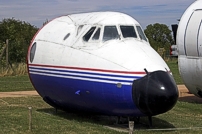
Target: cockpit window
{"type": "Point", "coordinates": [110, 33]}
{"type": "Point", "coordinates": [141, 34]}
{"type": "Point", "coordinates": [32, 52]}
{"type": "Point", "coordinates": [87, 36]}
{"type": "Point", "coordinates": [128, 31]}
{"type": "Point", "coordinates": [96, 35]}
{"type": "Point", "coordinates": [79, 29]}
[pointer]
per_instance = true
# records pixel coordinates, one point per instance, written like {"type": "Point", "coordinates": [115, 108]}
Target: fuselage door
{"type": "Point", "coordinates": [192, 34]}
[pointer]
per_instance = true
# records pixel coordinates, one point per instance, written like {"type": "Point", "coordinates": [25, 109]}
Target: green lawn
{"type": "Point", "coordinates": [15, 83]}
{"type": "Point", "coordinates": [173, 65]}
{"type": "Point", "coordinates": [14, 119]}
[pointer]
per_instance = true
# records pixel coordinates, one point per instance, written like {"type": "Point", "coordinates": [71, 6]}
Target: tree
{"type": "Point", "coordinates": [46, 22]}
{"type": "Point", "coordinates": [159, 36]}
{"type": "Point", "coordinates": [19, 34]}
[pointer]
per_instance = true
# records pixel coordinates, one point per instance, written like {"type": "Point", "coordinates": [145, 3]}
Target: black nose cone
{"type": "Point", "coordinates": [155, 93]}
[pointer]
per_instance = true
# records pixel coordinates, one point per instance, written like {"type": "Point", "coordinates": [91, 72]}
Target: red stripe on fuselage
{"type": "Point", "coordinates": [88, 69]}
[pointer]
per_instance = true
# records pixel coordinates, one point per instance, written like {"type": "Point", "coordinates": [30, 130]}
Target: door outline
{"type": "Point", "coordinates": [191, 36]}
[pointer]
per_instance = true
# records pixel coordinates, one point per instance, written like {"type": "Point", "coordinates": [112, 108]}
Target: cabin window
{"type": "Point", "coordinates": [128, 31]}
{"type": "Point", "coordinates": [110, 33]}
{"type": "Point", "coordinates": [141, 33]}
{"type": "Point", "coordinates": [96, 35]}
{"type": "Point", "coordinates": [87, 36]}
{"type": "Point", "coordinates": [32, 52]}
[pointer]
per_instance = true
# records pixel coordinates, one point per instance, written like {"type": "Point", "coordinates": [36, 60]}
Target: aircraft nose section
{"type": "Point", "coordinates": [155, 93]}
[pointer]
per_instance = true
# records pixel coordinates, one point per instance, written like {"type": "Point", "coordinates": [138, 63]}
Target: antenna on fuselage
{"type": "Point", "coordinates": [146, 71]}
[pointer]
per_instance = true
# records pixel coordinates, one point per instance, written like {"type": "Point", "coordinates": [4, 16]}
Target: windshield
{"type": "Point", "coordinates": [128, 31]}
{"type": "Point", "coordinates": [96, 35]}
{"type": "Point", "coordinates": [110, 33]}
{"type": "Point", "coordinates": [87, 36]}
{"type": "Point", "coordinates": [141, 34]}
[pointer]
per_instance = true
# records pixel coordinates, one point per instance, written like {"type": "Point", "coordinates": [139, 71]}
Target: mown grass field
{"type": "Point", "coordinates": [185, 116]}
{"type": "Point", "coordinates": [15, 83]}
{"type": "Point", "coordinates": [173, 65]}
{"type": "Point", "coordinates": [14, 119]}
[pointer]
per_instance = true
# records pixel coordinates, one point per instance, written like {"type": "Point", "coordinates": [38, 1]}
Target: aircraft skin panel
{"type": "Point", "coordinates": [192, 77]}
{"type": "Point", "coordinates": [104, 18]}
{"type": "Point", "coordinates": [103, 58]}
{"type": "Point", "coordinates": [89, 74]}
{"type": "Point", "coordinates": [105, 93]}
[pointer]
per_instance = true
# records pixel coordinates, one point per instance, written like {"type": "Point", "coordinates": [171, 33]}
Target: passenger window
{"type": "Point", "coordinates": [87, 36]}
{"type": "Point", "coordinates": [141, 34]}
{"type": "Point", "coordinates": [110, 33]}
{"type": "Point", "coordinates": [96, 35]}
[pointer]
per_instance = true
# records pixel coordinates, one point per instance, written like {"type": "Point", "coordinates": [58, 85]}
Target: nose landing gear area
{"type": "Point", "coordinates": [142, 124]}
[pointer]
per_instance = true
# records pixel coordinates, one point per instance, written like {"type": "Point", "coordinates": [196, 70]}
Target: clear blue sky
{"type": "Point", "coordinates": [144, 11]}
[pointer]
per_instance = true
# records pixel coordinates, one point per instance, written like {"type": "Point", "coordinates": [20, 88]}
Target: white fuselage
{"type": "Point", "coordinates": [56, 50]}
{"type": "Point", "coordinates": [189, 41]}
{"type": "Point", "coordinates": [100, 62]}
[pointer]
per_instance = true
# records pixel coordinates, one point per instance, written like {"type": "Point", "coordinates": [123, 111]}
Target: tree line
{"type": "Point", "coordinates": [20, 33]}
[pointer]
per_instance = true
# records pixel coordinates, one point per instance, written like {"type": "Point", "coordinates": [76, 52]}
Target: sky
{"type": "Point", "coordinates": [146, 12]}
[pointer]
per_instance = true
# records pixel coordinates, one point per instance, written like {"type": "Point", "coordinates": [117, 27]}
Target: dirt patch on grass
{"type": "Point", "coordinates": [185, 95]}
{"type": "Point", "coordinates": [18, 94]}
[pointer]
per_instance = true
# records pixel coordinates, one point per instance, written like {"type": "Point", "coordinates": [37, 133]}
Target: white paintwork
{"type": "Point", "coordinates": [124, 54]}
{"type": "Point", "coordinates": [189, 41]}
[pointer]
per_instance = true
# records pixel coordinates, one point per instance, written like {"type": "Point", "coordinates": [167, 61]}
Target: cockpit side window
{"type": "Point", "coordinates": [110, 33]}
{"type": "Point", "coordinates": [141, 34]}
{"type": "Point", "coordinates": [79, 29]}
{"type": "Point", "coordinates": [32, 52]}
{"type": "Point", "coordinates": [96, 35]}
{"type": "Point", "coordinates": [128, 31]}
{"type": "Point", "coordinates": [87, 36]}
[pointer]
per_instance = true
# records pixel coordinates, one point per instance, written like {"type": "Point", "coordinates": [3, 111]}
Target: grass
{"type": "Point", "coordinates": [173, 65]}
{"type": "Point", "coordinates": [14, 119]}
{"type": "Point", "coordinates": [15, 83]}
{"type": "Point", "coordinates": [14, 69]}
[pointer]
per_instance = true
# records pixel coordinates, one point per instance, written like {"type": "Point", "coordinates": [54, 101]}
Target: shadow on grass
{"type": "Point", "coordinates": [191, 99]}
{"type": "Point", "coordinates": [110, 121]}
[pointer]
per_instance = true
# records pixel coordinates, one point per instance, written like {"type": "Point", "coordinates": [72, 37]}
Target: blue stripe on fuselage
{"type": "Point", "coordinates": [98, 97]}
{"type": "Point", "coordinates": [83, 75]}
{"type": "Point", "coordinates": [90, 73]}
